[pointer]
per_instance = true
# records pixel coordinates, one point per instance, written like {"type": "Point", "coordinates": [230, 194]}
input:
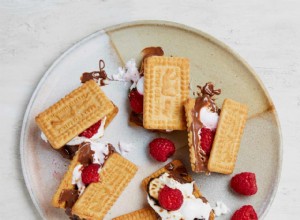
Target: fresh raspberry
{"type": "Point", "coordinates": [136, 101]}
{"type": "Point", "coordinates": [207, 138]}
{"type": "Point", "coordinates": [90, 174]}
{"type": "Point", "coordinates": [170, 199]}
{"type": "Point", "coordinates": [161, 149]}
{"type": "Point", "coordinates": [88, 133]}
{"type": "Point", "coordinates": [244, 183]}
{"type": "Point", "coordinates": [246, 212]}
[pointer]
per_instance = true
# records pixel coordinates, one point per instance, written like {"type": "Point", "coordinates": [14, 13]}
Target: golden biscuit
{"type": "Point", "coordinates": [75, 113]}
{"type": "Point", "coordinates": [166, 87]}
{"type": "Point", "coordinates": [228, 137]}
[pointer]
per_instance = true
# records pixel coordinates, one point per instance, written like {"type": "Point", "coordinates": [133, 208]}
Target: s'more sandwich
{"type": "Point", "coordinates": [172, 194]}
{"type": "Point", "coordinates": [159, 88]}
{"type": "Point", "coordinates": [80, 116]}
{"type": "Point", "coordinates": [214, 134]}
{"type": "Point", "coordinates": [94, 180]}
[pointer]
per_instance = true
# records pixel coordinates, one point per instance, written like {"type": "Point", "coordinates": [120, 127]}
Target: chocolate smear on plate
{"type": "Point", "coordinates": [98, 76]}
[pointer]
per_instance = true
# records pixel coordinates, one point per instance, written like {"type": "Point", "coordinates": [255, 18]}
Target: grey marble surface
{"type": "Point", "coordinates": [34, 33]}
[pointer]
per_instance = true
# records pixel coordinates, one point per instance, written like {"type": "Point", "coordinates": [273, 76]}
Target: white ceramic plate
{"type": "Point", "coordinates": [211, 60]}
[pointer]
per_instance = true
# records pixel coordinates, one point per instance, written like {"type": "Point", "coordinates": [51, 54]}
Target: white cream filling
{"type": "Point", "coordinates": [101, 150]}
{"type": "Point", "coordinates": [191, 208]}
{"type": "Point", "coordinates": [76, 178]}
{"type": "Point", "coordinates": [208, 118]}
{"type": "Point", "coordinates": [140, 85]}
{"type": "Point", "coordinates": [79, 140]}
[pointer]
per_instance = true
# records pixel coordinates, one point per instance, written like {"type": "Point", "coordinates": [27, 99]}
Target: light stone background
{"type": "Point", "coordinates": [34, 33]}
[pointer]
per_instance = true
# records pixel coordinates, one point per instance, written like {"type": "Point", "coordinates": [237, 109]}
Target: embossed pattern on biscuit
{"type": "Point", "coordinates": [74, 113]}
{"type": "Point", "coordinates": [166, 87]}
{"type": "Point", "coordinates": [228, 137]}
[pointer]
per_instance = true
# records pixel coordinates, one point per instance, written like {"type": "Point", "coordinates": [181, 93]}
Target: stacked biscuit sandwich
{"type": "Point", "coordinates": [97, 174]}
{"type": "Point", "coordinates": [160, 101]}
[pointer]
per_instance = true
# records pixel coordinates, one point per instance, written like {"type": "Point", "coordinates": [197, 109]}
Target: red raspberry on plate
{"type": "Point", "coordinates": [90, 174]}
{"type": "Point", "coordinates": [161, 149]}
{"type": "Point", "coordinates": [136, 101]}
{"type": "Point", "coordinates": [170, 199]}
{"type": "Point", "coordinates": [244, 183]}
{"type": "Point", "coordinates": [246, 212]}
{"type": "Point", "coordinates": [207, 138]}
{"type": "Point", "coordinates": [88, 133]}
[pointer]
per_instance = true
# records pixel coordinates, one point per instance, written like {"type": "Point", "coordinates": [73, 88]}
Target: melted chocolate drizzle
{"type": "Point", "coordinates": [85, 156]}
{"type": "Point", "coordinates": [69, 196]}
{"type": "Point", "coordinates": [68, 151]}
{"type": "Point", "coordinates": [98, 76]}
{"type": "Point", "coordinates": [179, 173]}
{"type": "Point", "coordinates": [204, 99]}
{"type": "Point", "coordinates": [148, 52]}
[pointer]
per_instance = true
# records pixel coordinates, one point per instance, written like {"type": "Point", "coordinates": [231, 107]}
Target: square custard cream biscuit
{"type": "Point", "coordinates": [74, 113]}
{"type": "Point", "coordinates": [166, 87]}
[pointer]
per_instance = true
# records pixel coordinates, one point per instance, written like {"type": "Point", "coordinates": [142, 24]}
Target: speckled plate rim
{"type": "Point", "coordinates": [140, 23]}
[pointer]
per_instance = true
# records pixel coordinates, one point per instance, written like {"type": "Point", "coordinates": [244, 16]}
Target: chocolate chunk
{"type": "Point", "coordinates": [85, 154]}
{"type": "Point", "coordinates": [69, 196]}
{"type": "Point", "coordinates": [148, 52]}
{"type": "Point", "coordinates": [68, 151]}
{"type": "Point", "coordinates": [136, 119]}
{"type": "Point", "coordinates": [98, 76]}
{"type": "Point", "coordinates": [180, 174]}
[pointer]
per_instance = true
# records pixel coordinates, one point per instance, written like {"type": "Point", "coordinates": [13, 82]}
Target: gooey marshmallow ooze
{"type": "Point", "coordinates": [191, 208]}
